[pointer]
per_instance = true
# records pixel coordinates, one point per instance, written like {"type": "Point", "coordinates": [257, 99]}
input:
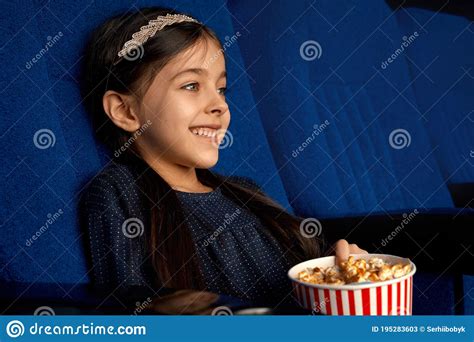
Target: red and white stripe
{"type": "Point", "coordinates": [393, 299]}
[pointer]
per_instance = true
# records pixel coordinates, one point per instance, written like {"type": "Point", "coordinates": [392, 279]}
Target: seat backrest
{"type": "Point", "coordinates": [342, 120]}
{"type": "Point", "coordinates": [444, 91]}
{"type": "Point", "coordinates": [445, 53]}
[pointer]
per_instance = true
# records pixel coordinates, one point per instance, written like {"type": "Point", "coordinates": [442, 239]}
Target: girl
{"type": "Point", "coordinates": [156, 216]}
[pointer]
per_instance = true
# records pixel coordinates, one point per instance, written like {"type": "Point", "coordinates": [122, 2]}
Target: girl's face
{"type": "Point", "coordinates": [187, 108]}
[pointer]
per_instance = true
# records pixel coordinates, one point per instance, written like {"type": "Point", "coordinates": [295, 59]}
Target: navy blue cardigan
{"type": "Point", "coordinates": [236, 255]}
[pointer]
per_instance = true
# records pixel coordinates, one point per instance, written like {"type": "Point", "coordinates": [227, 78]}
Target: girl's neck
{"type": "Point", "coordinates": [179, 177]}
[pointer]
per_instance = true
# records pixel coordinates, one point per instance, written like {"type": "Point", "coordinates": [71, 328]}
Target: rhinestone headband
{"type": "Point", "coordinates": [140, 37]}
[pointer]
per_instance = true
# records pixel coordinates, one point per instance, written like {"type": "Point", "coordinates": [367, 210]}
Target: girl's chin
{"type": "Point", "coordinates": [204, 159]}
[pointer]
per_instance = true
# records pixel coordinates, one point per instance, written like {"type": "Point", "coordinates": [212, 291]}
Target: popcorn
{"type": "Point", "coordinates": [354, 271]}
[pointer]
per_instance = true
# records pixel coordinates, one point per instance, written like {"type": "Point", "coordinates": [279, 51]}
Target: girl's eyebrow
{"type": "Point", "coordinates": [197, 71]}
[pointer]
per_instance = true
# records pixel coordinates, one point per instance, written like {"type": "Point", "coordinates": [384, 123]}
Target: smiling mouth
{"type": "Point", "coordinates": [206, 133]}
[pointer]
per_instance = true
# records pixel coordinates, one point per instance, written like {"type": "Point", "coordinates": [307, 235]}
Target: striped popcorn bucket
{"type": "Point", "coordinates": [391, 297]}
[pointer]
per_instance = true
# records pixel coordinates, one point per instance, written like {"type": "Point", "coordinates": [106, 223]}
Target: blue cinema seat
{"type": "Point", "coordinates": [329, 110]}
{"type": "Point", "coordinates": [444, 97]}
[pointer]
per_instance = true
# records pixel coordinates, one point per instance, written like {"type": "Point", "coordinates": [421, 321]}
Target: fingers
{"type": "Point", "coordinates": [343, 249]}
{"type": "Point", "coordinates": [354, 249]}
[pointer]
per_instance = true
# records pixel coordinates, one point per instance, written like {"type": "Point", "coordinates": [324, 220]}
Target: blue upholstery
{"type": "Point", "coordinates": [444, 93]}
{"type": "Point", "coordinates": [349, 168]}
{"type": "Point", "coordinates": [276, 98]}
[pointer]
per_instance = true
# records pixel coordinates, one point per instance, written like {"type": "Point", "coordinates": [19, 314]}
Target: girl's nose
{"type": "Point", "coordinates": [217, 105]}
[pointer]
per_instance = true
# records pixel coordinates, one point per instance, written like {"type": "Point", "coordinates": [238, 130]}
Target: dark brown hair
{"type": "Point", "coordinates": [169, 241]}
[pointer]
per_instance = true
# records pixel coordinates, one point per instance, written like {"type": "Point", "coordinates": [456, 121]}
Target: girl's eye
{"type": "Point", "coordinates": [195, 86]}
{"type": "Point", "coordinates": [190, 86]}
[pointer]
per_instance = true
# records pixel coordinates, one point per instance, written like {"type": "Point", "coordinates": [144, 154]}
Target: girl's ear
{"type": "Point", "coordinates": [121, 110]}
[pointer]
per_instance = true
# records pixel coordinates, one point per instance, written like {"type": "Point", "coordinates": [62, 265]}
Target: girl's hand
{"type": "Point", "coordinates": [342, 249]}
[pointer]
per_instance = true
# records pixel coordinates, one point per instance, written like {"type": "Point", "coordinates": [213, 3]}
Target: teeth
{"type": "Point", "coordinates": [206, 132]}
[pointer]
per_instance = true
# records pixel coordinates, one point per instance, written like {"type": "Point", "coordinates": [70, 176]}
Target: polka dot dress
{"type": "Point", "coordinates": [237, 255]}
